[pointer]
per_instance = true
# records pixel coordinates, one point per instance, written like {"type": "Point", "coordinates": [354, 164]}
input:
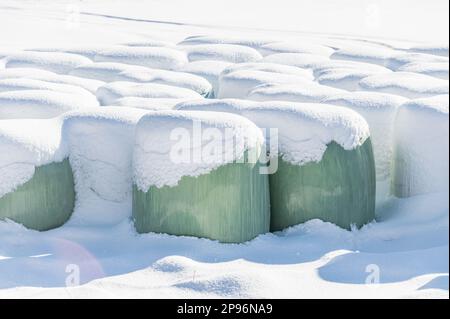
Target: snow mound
{"type": "Point", "coordinates": [239, 83]}
{"type": "Point", "coordinates": [379, 110]}
{"type": "Point", "coordinates": [152, 57]}
{"type": "Point", "coordinates": [290, 47]}
{"type": "Point", "coordinates": [37, 74]}
{"type": "Point", "coordinates": [207, 69]}
{"type": "Point", "coordinates": [305, 92]}
{"type": "Point", "coordinates": [153, 104]}
{"type": "Point", "coordinates": [436, 69]}
{"type": "Point", "coordinates": [222, 52]}
{"type": "Point", "coordinates": [109, 93]}
{"type": "Point", "coordinates": [25, 145]}
{"type": "Point", "coordinates": [100, 145]}
{"type": "Point", "coordinates": [304, 130]}
{"type": "Point", "coordinates": [154, 163]}
{"type": "Point", "coordinates": [422, 147]}
{"type": "Point", "coordinates": [301, 60]}
{"type": "Point", "coordinates": [51, 61]}
{"type": "Point", "coordinates": [409, 85]}
{"type": "Point", "coordinates": [41, 104]}
{"type": "Point", "coordinates": [88, 51]}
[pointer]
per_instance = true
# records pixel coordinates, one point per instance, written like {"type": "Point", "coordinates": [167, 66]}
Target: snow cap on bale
{"type": "Point", "coordinates": [153, 165]}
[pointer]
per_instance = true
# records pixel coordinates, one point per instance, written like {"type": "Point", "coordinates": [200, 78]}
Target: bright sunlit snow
{"type": "Point", "coordinates": [81, 79]}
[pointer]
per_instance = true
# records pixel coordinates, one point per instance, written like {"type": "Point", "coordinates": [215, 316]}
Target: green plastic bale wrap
{"type": "Point", "coordinates": [230, 204]}
{"type": "Point", "coordinates": [339, 189]}
{"type": "Point", "coordinates": [44, 202]}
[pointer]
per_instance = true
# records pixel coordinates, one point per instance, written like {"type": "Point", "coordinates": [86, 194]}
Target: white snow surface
{"type": "Point", "coordinates": [404, 48]}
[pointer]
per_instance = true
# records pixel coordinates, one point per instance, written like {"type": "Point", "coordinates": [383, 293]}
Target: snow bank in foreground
{"type": "Point", "coordinates": [422, 147]}
{"type": "Point", "coordinates": [409, 85]}
{"type": "Point", "coordinates": [100, 145]}
{"type": "Point", "coordinates": [51, 61]}
{"type": "Point", "coordinates": [221, 52]}
{"type": "Point", "coordinates": [152, 57]}
{"type": "Point", "coordinates": [41, 104]}
{"type": "Point", "coordinates": [25, 145]}
{"type": "Point", "coordinates": [304, 130]}
{"type": "Point", "coordinates": [158, 136]}
{"type": "Point", "coordinates": [111, 92]}
{"type": "Point", "coordinates": [380, 111]}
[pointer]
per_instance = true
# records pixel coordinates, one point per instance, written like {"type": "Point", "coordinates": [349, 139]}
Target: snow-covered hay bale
{"type": "Point", "coordinates": [434, 49]}
{"type": "Point", "coordinates": [436, 69]}
{"type": "Point", "coordinates": [178, 79]}
{"type": "Point", "coordinates": [300, 60]}
{"type": "Point", "coordinates": [222, 52]}
{"type": "Point", "coordinates": [422, 147]}
{"type": "Point", "coordinates": [102, 71]}
{"type": "Point", "coordinates": [330, 65]}
{"type": "Point", "coordinates": [36, 181]}
{"type": "Point", "coordinates": [100, 145]}
{"type": "Point", "coordinates": [56, 62]}
{"type": "Point", "coordinates": [152, 57]}
{"type": "Point", "coordinates": [379, 110]}
{"type": "Point", "coordinates": [306, 92]}
{"type": "Point", "coordinates": [190, 180]}
{"type": "Point", "coordinates": [409, 85]}
{"type": "Point", "coordinates": [41, 104]}
{"type": "Point", "coordinates": [109, 93]}
{"type": "Point", "coordinates": [209, 70]}
{"type": "Point", "coordinates": [238, 84]}
{"type": "Point", "coordinates": [323, 165]}
{"type": "Point", "coordinates": [397, 61]}
{"type": "Point", "coordinates": [365, 54]}
{"type": "Point", "coordinates": [42, 75]}
{"type": "Point", "coordinates": [345, 79]}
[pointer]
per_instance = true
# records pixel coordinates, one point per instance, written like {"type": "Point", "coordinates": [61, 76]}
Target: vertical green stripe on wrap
{"type": "Point", "coordinates": [339, 189]}
{"type": "Point", "coordinates": [44, 202]}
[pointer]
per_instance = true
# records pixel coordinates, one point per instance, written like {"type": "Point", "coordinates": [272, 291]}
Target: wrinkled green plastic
{"type": "Point", "coordinates": [44, 202]}
{"type": "Point", "coordinates": [230, 204]}
{"type": "Point", "coordinates": [339, 189]}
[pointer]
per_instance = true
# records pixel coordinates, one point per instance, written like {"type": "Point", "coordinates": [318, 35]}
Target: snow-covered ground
{"type": "Point", "coordinates": [57, 56]}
